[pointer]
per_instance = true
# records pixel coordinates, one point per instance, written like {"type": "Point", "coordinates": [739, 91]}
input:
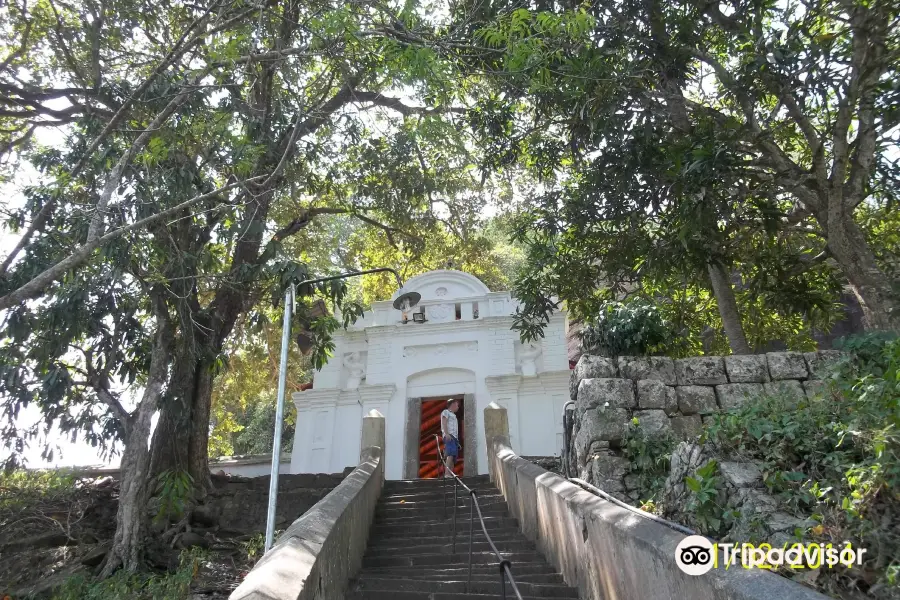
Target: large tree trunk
{"type": "Point", "coordinates": [135, 476]}
{"type": "Point", "coordinates": [870, 285]}
{"type": "Point", "coordinates": [731, 318]}
{"type": "Point", "coordinates": [134, 490]}
{"type": "Point", "coordinates": [181, 439]}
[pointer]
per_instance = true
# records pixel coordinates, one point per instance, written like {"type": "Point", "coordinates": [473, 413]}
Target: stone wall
{"type": "Point", "coordinates": [239, 505]}
{"type": "Point", "coordinates": [670, 397]}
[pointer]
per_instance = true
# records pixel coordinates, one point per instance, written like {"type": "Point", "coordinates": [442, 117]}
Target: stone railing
{"type": "Point", "coordinates": [323, 549]}
{"type": "Point", "coordinates": [669, 396]}
{"type": "Point", "coordinates": [607, 551]}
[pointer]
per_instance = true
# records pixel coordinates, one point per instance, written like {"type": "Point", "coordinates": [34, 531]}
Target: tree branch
{"type": "Point", "coordinates": [390, 231]}
{"type": "Point", "coordinates": [112, 402]}
{"type": "Point", "coordinates": [18, 52]}
{"type": "Point", "coordinates": [378, 99]}
{"type": "Point", "coordinates": [303, 220]}
{"type": "Point", "coordinates": [866, 142]}
{"type": "Point", "coordinates": [38, 283]}
{"type": "Point", "coordinates": [762, 138]}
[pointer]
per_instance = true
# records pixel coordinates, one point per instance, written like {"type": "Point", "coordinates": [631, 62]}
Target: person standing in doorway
{"type": "Point", "coordinates": [450, 431]}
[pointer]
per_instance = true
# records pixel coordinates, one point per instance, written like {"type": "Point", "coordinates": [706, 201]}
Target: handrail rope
{"type": "Point", "coordinates": [504, 563]}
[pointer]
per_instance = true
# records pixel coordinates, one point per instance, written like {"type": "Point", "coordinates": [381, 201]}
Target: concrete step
{"type": "Point", "coordinates": [438, 500]}
{"type": "Point", "coordinates": [391, 487]}
{"type": "Point", "coordinates": [468, 480]}
{"type": "Point", "coordinates": [438, 494]}
{"type": "Point", "coordinates": [410, 555]}
{"type": "Point", "coordinates": [429, 537]}
{"type": "Point", "coordinates": [435, 521]}
{"type": "Point", "coordinates": [437, 514]}
{"type": "Point", "coordinates": [537, 567]}
{"type": "Point", "coordinates": [388, 559]}
{"type": "Point", "coordinates": [412, 526]}
{"type": "Point", "coordinates": [380, 595]}
{"type": "Point", "coordinates": [438, 504]}
{"type": "Point", "coordinates": [504, 546]}
{"type": "Point", "coordinates": [399, 487]}
{"type": "Point", "coordinates": [460, 587]}
{"type": "Point", "coordinates": [522, 572]}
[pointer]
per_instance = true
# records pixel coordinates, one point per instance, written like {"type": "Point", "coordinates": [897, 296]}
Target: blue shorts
{"type": "Point", "coordinates": [451, 448]}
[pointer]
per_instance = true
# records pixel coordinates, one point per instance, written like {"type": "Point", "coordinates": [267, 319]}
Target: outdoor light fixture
{"type": "Point", "coordinates": [404, 302]}
{"type": "Point", "coordinates": [418, 317]}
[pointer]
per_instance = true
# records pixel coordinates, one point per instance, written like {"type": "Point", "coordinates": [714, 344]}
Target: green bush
{"type": "Point", "coordinates": [633, 328]}
{"type": "Point", "coordinates": [20, 488]}
{"type": "Point", "coordinates": [649, 458]}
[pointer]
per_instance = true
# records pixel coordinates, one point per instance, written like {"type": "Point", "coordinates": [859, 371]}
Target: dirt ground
{"type": "Point", "coordinates": [47, 538]}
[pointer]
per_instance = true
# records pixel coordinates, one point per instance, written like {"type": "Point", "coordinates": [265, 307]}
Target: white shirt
{"type": "Point", "coordinates": [452, 424]}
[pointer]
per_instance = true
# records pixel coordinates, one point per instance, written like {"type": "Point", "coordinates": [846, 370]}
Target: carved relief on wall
{"type": "Point", "coordinates": [441, 313]}
{"type": "Point", "coordinates": [440, 292]}
{"type": "Point", "coordinates": [442, 350]}
{"type": "Point", "coordinates": [356, 368]}
{"type": "Point", "coordinates": [527, 357]}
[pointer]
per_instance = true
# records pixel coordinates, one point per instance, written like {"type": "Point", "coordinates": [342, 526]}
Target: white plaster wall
{"type": "Point", "coordinates": [346, 435]}
{"type": "Point", "coordinates": [541, 401]}
{"type": "Point", "coordinates": [440, 382]}
{"type": "Point", "coordinates": [459, 370]}
{"type": "Point", "coordinates": [433, 359]}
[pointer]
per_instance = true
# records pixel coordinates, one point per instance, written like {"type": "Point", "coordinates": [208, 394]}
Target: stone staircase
{"type": "Point", "coordinates": [409, 555]}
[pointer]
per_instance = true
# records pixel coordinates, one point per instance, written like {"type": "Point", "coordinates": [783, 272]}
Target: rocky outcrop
{"type": "Point", "coordinates": [740, 492]}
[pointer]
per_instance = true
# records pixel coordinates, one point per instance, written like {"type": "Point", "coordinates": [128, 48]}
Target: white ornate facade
{"type": "Point", "coordinates": [465, 347]}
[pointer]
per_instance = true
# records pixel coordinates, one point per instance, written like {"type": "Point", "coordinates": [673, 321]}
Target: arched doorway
{"type": "Point", "coordinates": [427, 395]}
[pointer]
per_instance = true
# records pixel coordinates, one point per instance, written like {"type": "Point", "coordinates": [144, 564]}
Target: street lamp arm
{"type": "Point", "coordinates": [354, 274]}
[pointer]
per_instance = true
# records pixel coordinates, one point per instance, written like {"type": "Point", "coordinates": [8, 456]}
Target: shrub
{"type": "Point", "coordinates": [649, 458]}
{"type": "Point", "coordinates": [836, 458]}
{"type": "Point", "coordinates": [633, 328]}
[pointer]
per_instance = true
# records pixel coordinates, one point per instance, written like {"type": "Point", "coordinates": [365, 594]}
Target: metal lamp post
{"type": "Point", "coordinates": [403, 303]}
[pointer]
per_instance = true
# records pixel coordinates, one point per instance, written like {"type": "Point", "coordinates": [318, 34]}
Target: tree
{"type": "Point", "coordinates": [243, 394]}
{"type": "Point", "coordinates": [636, 102]}
{"type": "Point", "coordinates": [200, 140]}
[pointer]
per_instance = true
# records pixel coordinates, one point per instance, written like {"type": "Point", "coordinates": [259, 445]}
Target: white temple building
{"type": "Point", "coordinates": [465, 348]}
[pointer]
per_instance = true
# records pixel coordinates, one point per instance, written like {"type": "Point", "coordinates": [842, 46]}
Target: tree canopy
{"type": "Point", "coordinates": [731, 142]}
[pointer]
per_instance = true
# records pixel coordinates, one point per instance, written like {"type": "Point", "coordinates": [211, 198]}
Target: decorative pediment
{"type": "Point", "coordinates": [445, 285]}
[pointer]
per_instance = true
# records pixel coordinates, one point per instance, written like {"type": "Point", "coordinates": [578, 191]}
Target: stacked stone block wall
{"type": "Point", "coordinates": [671, 397]}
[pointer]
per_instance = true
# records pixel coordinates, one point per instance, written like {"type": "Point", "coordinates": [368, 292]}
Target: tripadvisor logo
{"type": "Point", "coordinates": [694, 555]}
